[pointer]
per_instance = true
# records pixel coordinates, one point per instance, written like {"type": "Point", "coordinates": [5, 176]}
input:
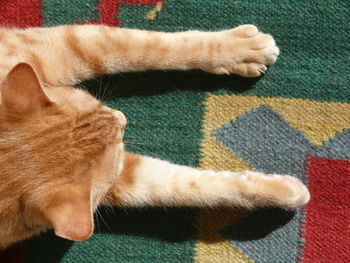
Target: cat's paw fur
{"type": "Point", "coordinates": [299, 193]}
{"type": "Point", "coordinates": [279, 190]}
{"type": "Point", "coordinates": [243, 50]}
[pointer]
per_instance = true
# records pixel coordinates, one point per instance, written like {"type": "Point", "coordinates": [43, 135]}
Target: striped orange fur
{"type": "Point", "coordinates": [62, 150]}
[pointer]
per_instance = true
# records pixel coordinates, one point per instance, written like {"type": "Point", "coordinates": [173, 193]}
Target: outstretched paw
{"type": "Point", "coordinates": [279, 190]}
{"type": "Point", "coordinates": [242, 50]}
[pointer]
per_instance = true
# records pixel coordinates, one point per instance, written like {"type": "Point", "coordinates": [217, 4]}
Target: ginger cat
{"type": "Point", "coordinates": [62, 150]}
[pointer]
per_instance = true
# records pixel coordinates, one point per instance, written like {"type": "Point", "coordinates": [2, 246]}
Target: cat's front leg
{"type": "Point", "coordinates": [147, 181]}
{"type": "Point", "coordinates": [242, 50]}
{"type": "Point", "coordinates": [80, 52]}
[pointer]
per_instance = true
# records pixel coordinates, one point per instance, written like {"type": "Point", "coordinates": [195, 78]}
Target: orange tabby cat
{"type": "Point", "coordinates": [62, 150]}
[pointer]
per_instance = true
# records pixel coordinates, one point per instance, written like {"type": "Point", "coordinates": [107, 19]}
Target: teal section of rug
{"type": "Point", "coordinates": [57, 12]}
{"type": "Point", "coordinates": [164, 117]}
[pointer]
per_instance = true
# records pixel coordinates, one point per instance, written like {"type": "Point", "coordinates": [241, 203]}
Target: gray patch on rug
{"type": "Point", "coordinates": [265, 140]}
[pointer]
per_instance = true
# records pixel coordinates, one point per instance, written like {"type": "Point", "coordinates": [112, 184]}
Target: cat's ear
{"type": "Point", "coordinates": [21, 91]}
{"type": "Point", "coordinates": [70, 214]}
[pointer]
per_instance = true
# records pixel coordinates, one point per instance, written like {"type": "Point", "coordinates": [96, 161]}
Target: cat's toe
{"type": "Point", "coordinates": [247, 69]}
{"type": "Point", "coordinates": [300, 194]}
{"type": "Point", "coordinates": [263, 49]}
{"type": "Point", "coordinates": [245, 31]}
{"type": "Point", "coordinates": [282, 190]}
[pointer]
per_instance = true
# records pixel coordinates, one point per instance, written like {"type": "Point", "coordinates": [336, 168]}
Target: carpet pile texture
{"type": "Point", "coordinates": [294, 120]}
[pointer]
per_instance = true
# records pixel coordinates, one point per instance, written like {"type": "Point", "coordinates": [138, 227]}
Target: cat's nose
{"type": "Point", "coordinates": [121, 117]}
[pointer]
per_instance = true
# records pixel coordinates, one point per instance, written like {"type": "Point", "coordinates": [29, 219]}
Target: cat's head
{"type": "Point", "coordinates": [61, 150]}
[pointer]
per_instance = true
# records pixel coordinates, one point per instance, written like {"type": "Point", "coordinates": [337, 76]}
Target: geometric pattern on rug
{"type": "Point", "coordinates": [268, 143]}
{"type": "Point", "coordinates": [274, 135]}
{"type": "Point", "coordinates": [92, 11]}
{"type": "Point", "coordinates": [263, 139]}
{"type": "Point", "coordinates": [318, 121]}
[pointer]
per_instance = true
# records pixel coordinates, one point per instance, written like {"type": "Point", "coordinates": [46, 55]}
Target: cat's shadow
{"type": "Point", "coordinates": [170, 225]}
{"type": "Point", "coordinates": [177, 224]}
{"type": "Point", "coordinates": [151, 83]}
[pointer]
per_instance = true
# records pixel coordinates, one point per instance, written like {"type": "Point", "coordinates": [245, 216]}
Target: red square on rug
{"type": "Point", "coordinates": [327, 226]}
{"type": "Point", "coordinates": [21, 13]}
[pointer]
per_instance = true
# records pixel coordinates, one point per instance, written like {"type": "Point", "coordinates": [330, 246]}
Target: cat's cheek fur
{"type": "Point", "coordinates": [106, 172]}
{"type": "Point", "coordinates": [70, 209]}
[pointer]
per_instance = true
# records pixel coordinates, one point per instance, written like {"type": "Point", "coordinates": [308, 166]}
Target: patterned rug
{"type": "Point", "coordinates": [295, 120]}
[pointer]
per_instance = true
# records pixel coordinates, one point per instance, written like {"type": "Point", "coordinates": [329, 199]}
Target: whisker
{"type": "Point", "coordinates": [131, 142]}
{"type": "Point", "coordinates": [98, 223]}
{"type": "Point", "coordinates": [110, 209]}
{"type": "Point", "coordinates": [138, 149]}
{"type": "Point", "coordinates": [100, 86]}
{"type": "Point", "coordinates": [99, 213]}
{"type": "Point", "coordinates": [108, 93]}
{"type": "Point", "coordinates": [103, 92]}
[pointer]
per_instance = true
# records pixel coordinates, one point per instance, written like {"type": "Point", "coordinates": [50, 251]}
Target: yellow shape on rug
{"type": "Point", "coordinates": [317, 120]}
